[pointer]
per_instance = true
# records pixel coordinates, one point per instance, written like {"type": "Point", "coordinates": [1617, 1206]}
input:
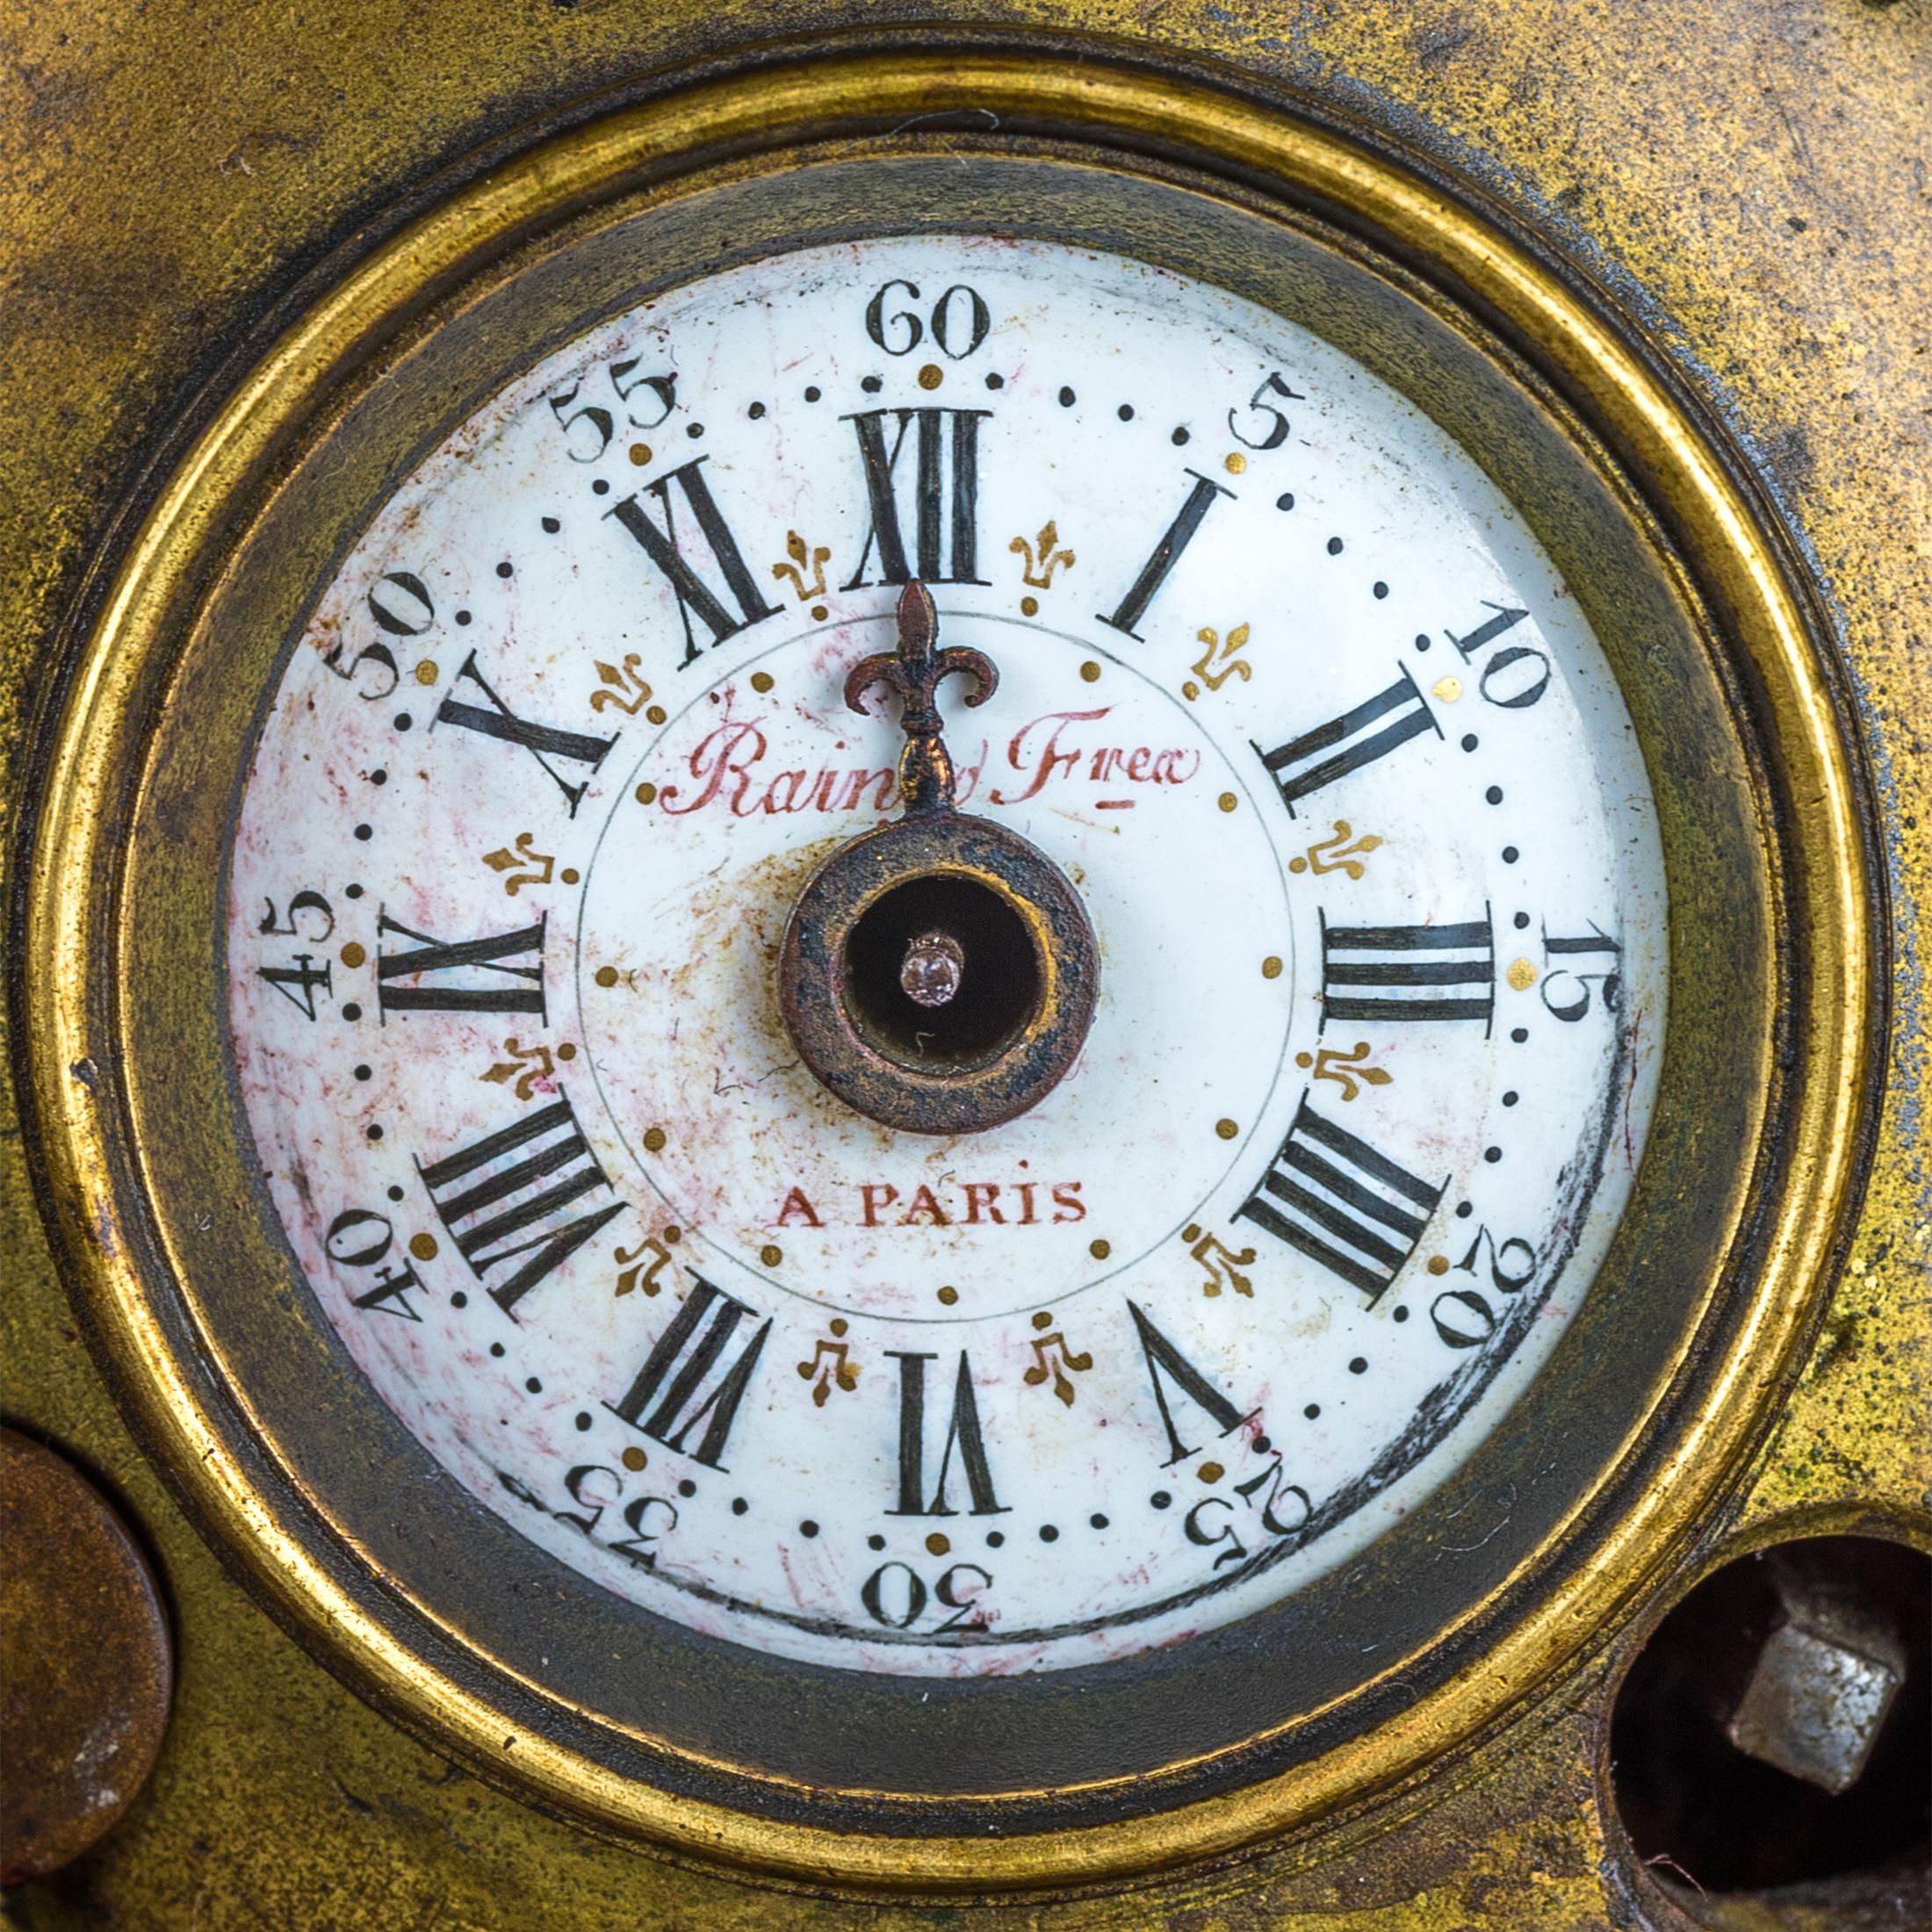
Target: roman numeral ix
{"type": "Point", "coordinates": [477, 993]}
{"type": "Point", "coordinates": [1333, 1198]}
{"type": "Point", "coordinates": [690, 1377]}
{"type": "Point", "coordinates": [672, 554]}
{"type": "Point", "coordinates": [1345, 744]}
{"type": "Point", "coordinates": [1407, 972]}
{"type": "Point", "coordinates": [515, 1183]}
{"type": "Point", "coordinates": [945, 495]}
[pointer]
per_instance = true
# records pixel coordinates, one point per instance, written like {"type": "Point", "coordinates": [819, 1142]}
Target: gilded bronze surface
{"type": "Point", "coordinates": [328, 1814]}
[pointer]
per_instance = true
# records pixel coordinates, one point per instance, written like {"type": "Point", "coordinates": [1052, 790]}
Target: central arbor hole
{"type": "Point", "coordinates": [998, 983]}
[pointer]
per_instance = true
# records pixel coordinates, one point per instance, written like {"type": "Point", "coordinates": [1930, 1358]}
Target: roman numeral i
{"type": "Point", "coordinates": [1165, 555]}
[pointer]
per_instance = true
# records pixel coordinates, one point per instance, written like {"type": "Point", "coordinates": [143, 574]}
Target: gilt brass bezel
{"type": "Point", "coordinates": [1754, 1160]}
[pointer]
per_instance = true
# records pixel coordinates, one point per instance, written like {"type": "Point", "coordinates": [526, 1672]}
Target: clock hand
{"type": "Point", "coordinates": [913, 673]}
{"type": "Point", "coordinates": [937, 973]}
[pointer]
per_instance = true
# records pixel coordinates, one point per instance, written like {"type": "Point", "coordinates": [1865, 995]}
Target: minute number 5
{"type": "Point", "coordinates": [1263, 417]}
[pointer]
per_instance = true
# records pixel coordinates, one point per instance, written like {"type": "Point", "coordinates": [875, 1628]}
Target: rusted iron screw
{"type": "Point", "coordinates": [933, 966]}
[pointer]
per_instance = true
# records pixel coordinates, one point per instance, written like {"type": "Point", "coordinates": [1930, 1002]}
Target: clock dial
{"type": "Point", "coordinates": [1289, 698]}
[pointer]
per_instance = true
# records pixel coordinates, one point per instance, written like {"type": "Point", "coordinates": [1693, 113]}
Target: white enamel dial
{"type": "Point", "coordinates": [1289, 694]}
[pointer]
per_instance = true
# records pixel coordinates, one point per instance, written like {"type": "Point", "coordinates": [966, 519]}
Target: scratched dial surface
{"type": "Point", "coordinates": [1287, 691]}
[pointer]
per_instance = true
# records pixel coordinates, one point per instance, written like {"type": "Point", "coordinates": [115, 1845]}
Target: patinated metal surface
{"type": "Point", "coordinates": [1749, 178]}
{"type": "Point", "coordinates": [85, 1662]}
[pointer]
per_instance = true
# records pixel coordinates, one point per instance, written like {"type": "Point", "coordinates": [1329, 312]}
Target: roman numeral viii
{"type": "Point", "coordinates": [944, 496]}
{"type": "Point", "coordinates": [963, 1434]}
{"type": "Point", "coordinates": [690, 1377]}
{"type": "Point", "coordinates": [1333, 1198]}
{"type": "Point", "coordinates": [515, 1183]}
{"type": "Point", "coordinates": [542, 742]}
{"type": "Point", "coordinates": [1345, 744]}
{"type": "Point", "coordinates": [1407, 972]}
{"type": "Point", "coordinates": [674, 555]}
{"type": "Point", "coordinates": [516, 988]}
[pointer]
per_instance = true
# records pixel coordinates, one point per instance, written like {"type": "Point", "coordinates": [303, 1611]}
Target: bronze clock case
{"type": "Point", "coordinates": [1753, 1164]}
{"type": "Point", "coordinates": [425, 1598]}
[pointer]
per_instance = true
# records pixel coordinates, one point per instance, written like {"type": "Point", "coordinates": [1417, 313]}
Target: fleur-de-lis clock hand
{"type": "Point", "coordinates": [938, 973]}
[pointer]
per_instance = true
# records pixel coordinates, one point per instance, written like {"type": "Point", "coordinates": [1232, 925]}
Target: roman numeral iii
{"type": "Point", "coordinates": [690, 1377]}
{"type": "Point", "coordinates": [1407, 972]}
{"type": "Point", "coordinates": [1333, 1198]}
{"type": "Point", "coordinates": [1373, 730]}
{"type": "Point", "coordinates": [513, 1183]}
{"type": "Point", "coordinates": [944, 496]}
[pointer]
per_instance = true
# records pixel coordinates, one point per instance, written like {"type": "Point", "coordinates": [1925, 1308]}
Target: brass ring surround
{"type": "Point", "coordinates": [1753, 1164]}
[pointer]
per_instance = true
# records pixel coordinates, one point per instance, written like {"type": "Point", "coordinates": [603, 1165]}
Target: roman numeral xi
{"type": "Point", "coordinates": [704, 538]}
{"type": "Point", "coordinates": [1333, 1198]}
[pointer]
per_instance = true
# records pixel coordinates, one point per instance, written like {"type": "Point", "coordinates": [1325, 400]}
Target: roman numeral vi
{"type": "Point", "coordinates": [963, 1433]}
